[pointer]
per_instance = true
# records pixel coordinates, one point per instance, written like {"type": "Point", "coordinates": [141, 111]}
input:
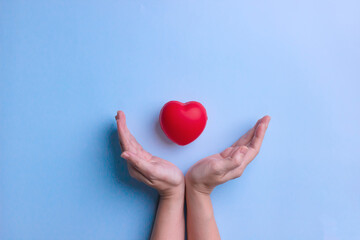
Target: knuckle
{"type": "Point", "coordinates": [136, 164]}
{"type": "Point", "coordinates": [239, 173]}
{"type": "Point", "coordinates": [153, 174]}
{"type": "Point", "coordinates": [237, 161]}
{"type": "Point", "coordinates": [227, 151]}
{"type": "Point", "coordinates": [243, 149]}
{"type": "Point", "coordinates": [131, 172]}
{"type": "Point", "coordinates": [216, 167]}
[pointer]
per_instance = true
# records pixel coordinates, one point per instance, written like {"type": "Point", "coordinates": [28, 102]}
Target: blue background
{"type": "Point", "coordinates": [67, 66]}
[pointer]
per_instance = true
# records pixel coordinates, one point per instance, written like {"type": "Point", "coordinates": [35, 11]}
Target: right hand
{"type": "Point", "coordinates": [219, 168]}
{"type": "Point", "coordinates": [156, 172]}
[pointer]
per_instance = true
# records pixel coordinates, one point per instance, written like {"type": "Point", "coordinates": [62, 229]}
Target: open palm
{"type": "Point", "coordinates": [219, 168]}
{"type": "Point", "coordinates": [153, 171]}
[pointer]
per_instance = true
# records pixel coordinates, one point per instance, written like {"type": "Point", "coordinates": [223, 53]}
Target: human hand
{"type": "Point", "coordinates": [156, 172]}
{"type": "Point", "coordinates": [219, 168]}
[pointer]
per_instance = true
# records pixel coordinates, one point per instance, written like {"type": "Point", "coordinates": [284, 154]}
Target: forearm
{"type": "Point", "coordinates": [170, 221]}
{"type": "Point", "coordinates": [201, 222]}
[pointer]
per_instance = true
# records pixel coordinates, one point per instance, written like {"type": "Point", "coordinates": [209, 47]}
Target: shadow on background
{"type": "Point", "coordinates": [118, 167]}
{"type": "Point", "coordinates": [120, 173]}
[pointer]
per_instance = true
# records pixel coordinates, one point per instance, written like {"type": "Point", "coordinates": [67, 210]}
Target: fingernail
{"type": "Point", "coordinates": [267, 124]}
{"type": "Point", "coordinates": [125, 155]}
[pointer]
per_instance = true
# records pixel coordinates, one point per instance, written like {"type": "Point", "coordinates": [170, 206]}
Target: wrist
{"type": "Point", "coordinates": [197, 188]}
{"type": "Point", "coordinates": [174, 193]}
{"type": "Point", "coordinates": [198, 203]}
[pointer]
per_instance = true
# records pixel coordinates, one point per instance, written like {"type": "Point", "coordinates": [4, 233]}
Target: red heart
{"type": "Point", "coordinates": [183, 122]}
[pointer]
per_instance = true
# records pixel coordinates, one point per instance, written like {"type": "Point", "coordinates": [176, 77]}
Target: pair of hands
{"type": "Point", "coordinates": [203, 176]}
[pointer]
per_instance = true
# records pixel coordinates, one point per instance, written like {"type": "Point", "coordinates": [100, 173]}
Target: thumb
{"type": "Point", "coordinates": [140, 164]}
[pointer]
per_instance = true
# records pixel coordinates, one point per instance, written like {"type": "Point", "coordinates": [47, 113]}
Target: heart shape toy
{"type": "Point", "coordinates": [183, 122]}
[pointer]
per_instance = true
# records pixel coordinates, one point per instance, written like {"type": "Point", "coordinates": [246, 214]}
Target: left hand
{"type": "Point", "coordinates": [156, 172]}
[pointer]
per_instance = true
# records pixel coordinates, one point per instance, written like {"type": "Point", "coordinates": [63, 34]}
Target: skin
{"type": "Point", "coordinates": [206, 174]}
{"type": "Point", "coordinates": [200, 181]}
{"type": "Point", "coordinates": [160, 174]}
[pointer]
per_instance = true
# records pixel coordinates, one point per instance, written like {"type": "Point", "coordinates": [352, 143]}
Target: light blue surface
{"type": "Point", "coordinates": [67, 66]}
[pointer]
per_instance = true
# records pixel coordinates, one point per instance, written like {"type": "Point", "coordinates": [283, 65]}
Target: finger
{"type": "Point", "coordinates": [127, 140]}
{"type": "Point", "coordinates": [239, 159]}
{"type": "Point", "coordinates": [141, 165]}
{"type": "Point", "coordinates": [123, 131]}
{"type": "Point", "coordinates": [259, 134]}
{"type": "Point", "coordinates": [130, 167]}
{"type": "Point", "coordinates": [245, 139]}
{"type": "Point", "coordinates": [256, 141]}
{"type": "Point", "coordinates": [138, 175]}
{"type": "Point", "coordinates": [239, 154]}
{"type": "Point", "coordinates": [236, 172]}
{"type": "Point", "coordinates": [236, 158]}
{"type": "Point", "coordinates": [227, 152]}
